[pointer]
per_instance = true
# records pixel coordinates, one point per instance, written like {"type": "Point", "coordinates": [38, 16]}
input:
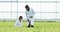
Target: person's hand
{"type": "Point", "coordinates": [31, 16]}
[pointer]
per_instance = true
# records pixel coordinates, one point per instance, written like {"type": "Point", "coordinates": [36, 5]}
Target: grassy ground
{"type": "Point", "coordinates": [39, 27]}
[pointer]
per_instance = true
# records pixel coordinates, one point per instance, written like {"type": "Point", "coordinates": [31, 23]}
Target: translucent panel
{"type": "Point", "coordinates": [14, 7]}
{"type": "Point", "coordinates": [36, 0]}
{"type": "Point", "coordinates": [5, 0]}
{"type": "Point", "coordinates": [22, 14]}
{"type": "Point", "coordinates": [58, 15]}
{"type": "Point", "coordinates": [29, 0]}
{"type": "Point", "coordinates": [14, 15]}
{"type": "Point", "coordinates": [37, 16]}
{"type": "Point", "coordinates": [5, 15]}
{"type": "Point", "coordinates": [14, 0]}
{"type": "Point", "coordinates": [34, 6]}
{"type": "Point", "coordinates": [48, 0]}
{"type": "Point", "coordinates": [58, 7]}
{"type": "Point", "coordinates": [8, 0]}
{"type": "Point", "coordinates": [5, 7]}
{"type": "Point", "coordinates": [48, 15]}
{"type": "Point", "coordinates": [58, 0]}
{"type": "Point", "coordinates": [48, 7]}
{"type": "Point", "coordinates": [21, 7]}
{"type": "Point", "coordinates": [52, 7]}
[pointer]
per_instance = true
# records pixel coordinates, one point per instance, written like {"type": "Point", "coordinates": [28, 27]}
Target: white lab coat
{"type": "Point", "coordinates": [18, 23]}
{"type": "Point", "coordinates": [29, 14]}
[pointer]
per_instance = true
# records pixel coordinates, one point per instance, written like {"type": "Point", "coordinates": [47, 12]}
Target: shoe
{"type": "Point", "coordinates": [32, 26]}
{"type": "Point", "coordinates": [28, 26]}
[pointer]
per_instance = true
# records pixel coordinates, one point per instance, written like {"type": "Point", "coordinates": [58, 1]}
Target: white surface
{"type": "Point", "coordinates": [38, 7]}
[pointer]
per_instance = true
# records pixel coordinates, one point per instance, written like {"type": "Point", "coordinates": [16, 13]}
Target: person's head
{"type": "Point", "coordinates": [27, 7]}
{"type": "Point", "coordinates": [20, 18]}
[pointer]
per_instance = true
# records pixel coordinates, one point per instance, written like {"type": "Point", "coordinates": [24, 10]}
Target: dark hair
{"type": "Point", "coordinates": [26, 6]}
{"type": "Point", "coordinates": [20, 17]}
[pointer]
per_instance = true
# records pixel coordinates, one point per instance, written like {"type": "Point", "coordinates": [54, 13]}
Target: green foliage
{"type": "Point", "coordinates": [38, 27]}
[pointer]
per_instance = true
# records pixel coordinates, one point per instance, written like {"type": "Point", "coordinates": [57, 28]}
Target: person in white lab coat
{"type": "Point", "coordinates": [29, 16]}
{"type": "Point", "coordinates": [19, 22]}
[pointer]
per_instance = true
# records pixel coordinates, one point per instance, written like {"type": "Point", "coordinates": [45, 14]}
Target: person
{"type": "Point", "coordinates": [30, 16]}
{"type": "Point", "coordinates": [19, 22]}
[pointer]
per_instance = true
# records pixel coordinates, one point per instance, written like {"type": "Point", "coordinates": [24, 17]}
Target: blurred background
{"type": "Point", "coordinates": [44, 9]}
